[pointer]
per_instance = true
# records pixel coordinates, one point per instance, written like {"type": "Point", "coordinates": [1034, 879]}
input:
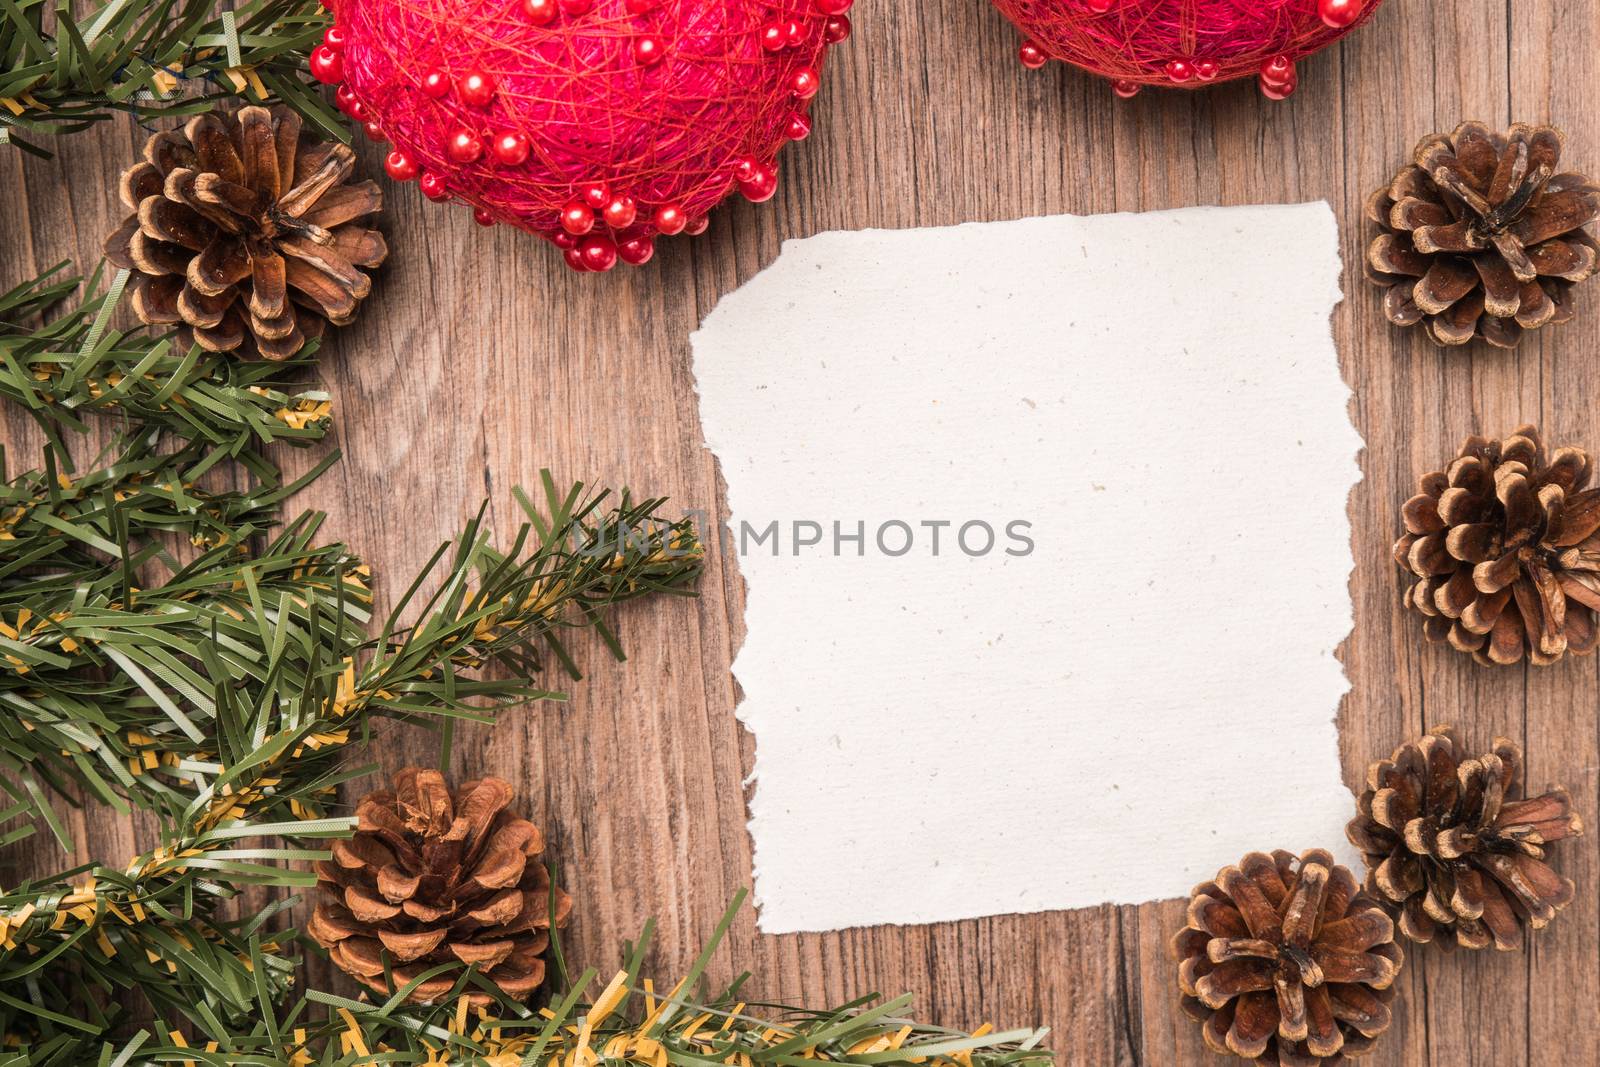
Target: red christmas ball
{"type": "Point", "coordinates": [620, 213]}
{"type": "Point", "coordinates": [1341, 14]}
{"type": "Point", "coordinates": [1185, 44]}
{"type": "Point", "coordinates": [434, 186]}
{"type": "Point", "coordinates": [758, 182]}
{"type": "Point", "coordinates": [464, 146]}
{"type": "Point", "coordinates": [511, 148]}
{"type": "Point", "coordinates": [540, 12]}
{"type": "Point", "coordinates": [400, 167]}
{"type": "Point", "coordinates": [327, 66]}
{"type": "Point", "coordinates": [637, 112]}
{"type": "Point", "coordinates": [476, 88]}
{"type": "Point", "coordinates": [670, 219]}
{"type": "Point", "coordinates": [636, 251]}
{"type": "Point", "coordinates": [599, 253]}
{"type": "Point", "coordinates": [577, 219]}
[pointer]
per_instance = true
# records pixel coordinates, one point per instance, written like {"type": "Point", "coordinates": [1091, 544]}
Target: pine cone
{"type": "Point", "coordinates": [1451, 852]}
{"type": "Point", "coordinates": [1285, 959]}
{"type": "Point", "coordinates": [244, 233]}
{"type": "Point", "coordinates": [1505, 544]}
{"type": "Point", "coordinates": [430, 878]}
{"type": "Point", "coordinates": [1480, 237]}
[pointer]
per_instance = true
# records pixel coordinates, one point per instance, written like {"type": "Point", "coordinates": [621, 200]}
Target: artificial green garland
{"type": "Point", "coordinates": [180, 649]}
{"type": "Point", "coordinates": [64, 67]}
{"type": "Point", "coordinates": [169, 643]}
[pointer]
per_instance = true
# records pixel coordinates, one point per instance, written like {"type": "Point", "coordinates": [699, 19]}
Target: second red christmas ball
{"type": "Point", "coordinates": [1183, 44]}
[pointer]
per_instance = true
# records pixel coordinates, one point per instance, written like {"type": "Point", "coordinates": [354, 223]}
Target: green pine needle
{"type": "Point", "coordinates": [64, 69]}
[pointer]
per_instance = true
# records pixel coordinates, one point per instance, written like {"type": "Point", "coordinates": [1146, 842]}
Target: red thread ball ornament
{"type": "Point", "coordinates": [600, 125]}
{"type": "Point", "coordinates": [1183, 44]}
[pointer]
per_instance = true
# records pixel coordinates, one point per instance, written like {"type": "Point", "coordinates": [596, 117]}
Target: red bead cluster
{"type": "Point", "coordinates": [602, 221]}
{"type": "Point", "coordinates": [1124, 39]}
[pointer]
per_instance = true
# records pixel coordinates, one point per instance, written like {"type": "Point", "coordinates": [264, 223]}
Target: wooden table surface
{"type": "Point", "coordinates": [481, 359]}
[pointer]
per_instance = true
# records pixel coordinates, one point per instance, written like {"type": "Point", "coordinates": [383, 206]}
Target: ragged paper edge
{"type": "Point", "coordinates": [804, 247]}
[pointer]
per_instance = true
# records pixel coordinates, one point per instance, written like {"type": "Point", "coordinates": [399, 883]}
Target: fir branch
{"type": "Point", "coordinates": [61, 73]}
{"type": "Point", "coordinates": [628, 1022]}
{"type": "Point", "coordinates": [74, 365]}
{"type": "Point", "coordinates": [225, 698]}
{"type": "Point", "coordinates": [92, 936]}
{"type": "Point", "coordinates": [243, 668]}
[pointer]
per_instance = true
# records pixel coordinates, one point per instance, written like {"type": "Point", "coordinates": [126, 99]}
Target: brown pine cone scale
{"type": "Point", "coordinates": [432, 877]}
{"type": "Point", "coordinates": [1505, 547]}
{"type": "Point", "coordinates": [1286, 961]}
{"type": "Point", "coordinates": [246, 234]}
{"type": "Point", "coordinates": [1452, 853]}
{"type": "Point", "coordinates": [1480, 236]}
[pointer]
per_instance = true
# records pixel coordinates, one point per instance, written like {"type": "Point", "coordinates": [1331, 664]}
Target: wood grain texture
{"type": "Point", "coordinates": [482, 359]}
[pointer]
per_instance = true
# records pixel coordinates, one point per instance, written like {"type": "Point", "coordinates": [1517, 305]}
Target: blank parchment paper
{"type": "Point", "coordinates": [1134, 683]}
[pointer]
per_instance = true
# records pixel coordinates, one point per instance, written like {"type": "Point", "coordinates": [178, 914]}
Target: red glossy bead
{"type": "Point", "coordinates": [436, 83]}
{"type": "Point", "coordinates": [795, 33]}
{"type": "Point", "coordinates": [836, 29]}
{"type": "Point", "coordinates": [1278, 90]}
{"type": "Point", "coordinates": [476, 89]}
{"type": "Point", "coordinates": [772, 38]}
{"type": "Point", "coordinates": [1099, 7]}
{"type": "Point", "coordinates": [334, 38]}
{"type": "Point", "coordinates": [642, 7]}
{"type": "Point", "coordinates": [620, 213]}
{"type": "Point", "coordinates": [374, 132]}
{"type": "Point", "coordinates": [511, 147]}
{"type": "Point", "coordinates": [577, 7]}
{"type": "Point", "coordinates": [1125, 88]}
{"type": "Point", "coordinates": [482, 217]}
{"type": "Point", "coordinates": [761, 184]}
{"type": "Point", "coordinates": [1205, 70]}
{"type": "Point", "coordinates": [833, 7]}
{"type": "Point", "coordinates": [464, 146]}
{"type": "Point", "coordinates": [799, 127]}
{"type": "Point", "coordinates": [1341, 14]}
{"type": "Point", "coordinates": [540, 12]}
{"type": "Point", "coordinates": [697, 226]}
{"type": "Point", "coordinates": [399, 166]}
{"type": "Point", "coordinates": [434, 186]}
{"type": "Point", "coordinates": [563, 240]}
{"type": "Point", "coordinates": [1279, 70]}
{"type": "Point", "coordinates": [1179, 70]}
{"type": "Point", "coordinates": [670, 219]}
{"type": "Point", "coordinates": [577, 219]}
{"type": "Point", "coordinates": [599, 253]}
{"type": "Point", "coordinates": [1032, 55]}
{"type": "Point", "coordinates": [637, 250]}
{"type": "Point", "coordinates": [327, 66]}
{"type": "Point", "coordinates": [805, 83]}
{"type": "Point", "coordinates": [648, 50]}
{"type": "Point", "coordinates": [344, 98]}
{"type": "Point", "coordinates": [596, 194]}
{"type": "Point", "coordinates": [574, 260]}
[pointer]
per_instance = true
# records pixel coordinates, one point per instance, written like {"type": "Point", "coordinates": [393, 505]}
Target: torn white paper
{"type": "Point", "coordinates": [949, 724]}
